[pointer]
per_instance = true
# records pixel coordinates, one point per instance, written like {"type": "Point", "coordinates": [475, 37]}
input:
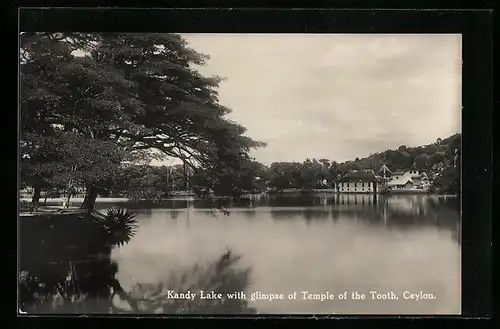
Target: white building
{"type": "Point", "coordinates": [359, 181]}
{"type": "Point", "coordinates": [409, 180]}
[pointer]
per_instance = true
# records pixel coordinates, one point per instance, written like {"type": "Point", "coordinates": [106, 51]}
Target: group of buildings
{"type": "Point", "coordinates": [384, 181]}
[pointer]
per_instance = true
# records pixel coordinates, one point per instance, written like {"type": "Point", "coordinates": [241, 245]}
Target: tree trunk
{"type": "Point", "coordinates": [90, 197]}
{"type": "Point", "coordinates": [68, 199]}
{"type": "Point", "coordinates": [36, 195]}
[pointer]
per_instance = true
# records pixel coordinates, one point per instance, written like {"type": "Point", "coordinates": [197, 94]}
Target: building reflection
{"type": "Point", "coordinates": [393, 211]}
{"type": "Point", "coordinates": [401, 211]}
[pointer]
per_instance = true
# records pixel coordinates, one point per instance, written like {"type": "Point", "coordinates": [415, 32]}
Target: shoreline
{"type": "Point", "coordinates": [78, 200]}
{"type": "Point", "coordinates": [182, 198]}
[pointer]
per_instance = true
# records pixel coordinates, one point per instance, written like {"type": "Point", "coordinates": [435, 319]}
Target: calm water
{"type": "Point", "coordinates": [315, 244]}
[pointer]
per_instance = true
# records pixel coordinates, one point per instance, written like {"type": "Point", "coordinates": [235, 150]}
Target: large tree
{"type": "Point", "coordinates": [137, 91]}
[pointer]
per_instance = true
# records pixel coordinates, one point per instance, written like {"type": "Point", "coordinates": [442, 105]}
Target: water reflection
{"type": "Point", "coordinates": [219, 277]}
{"type": "Point", "coordinates": [174, 214]}
{"type": "Point", "coordinates": [91, 287]}
{"type": "Point", "coordinates": [66, 267]}
{"type": "Point", "coordinates": [402, 212]}
{"type": "Point", "coordinates": [291, 243]}
{"type": "Point", "coordinates": [68, 287]}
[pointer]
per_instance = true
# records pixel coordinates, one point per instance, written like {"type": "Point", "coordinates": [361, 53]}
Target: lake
{"type": "Point", "coordinates": [326, 245]}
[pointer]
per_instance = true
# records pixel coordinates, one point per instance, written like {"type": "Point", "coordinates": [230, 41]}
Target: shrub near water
{"type": "Point", "coordinates": [120, 225]}
{"type": "Point", "coordinates": [25, 206]}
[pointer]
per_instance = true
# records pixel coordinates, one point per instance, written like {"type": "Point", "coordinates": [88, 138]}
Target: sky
{"type": "Point", "coordinates": [337, 96]}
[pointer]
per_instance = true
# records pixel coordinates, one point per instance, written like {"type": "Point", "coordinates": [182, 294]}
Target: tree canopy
{"type": "Point", "coordinates": [125, 92]}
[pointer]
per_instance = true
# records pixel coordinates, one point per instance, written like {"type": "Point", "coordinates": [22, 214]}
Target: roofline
{"type": "Point", "coordinates": [358, 179]}
{"type": "Point", "coordinates": [405, 182]}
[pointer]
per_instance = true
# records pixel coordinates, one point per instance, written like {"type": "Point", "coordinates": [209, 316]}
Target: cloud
{"type": "Point", "coordinates": [352, 94]}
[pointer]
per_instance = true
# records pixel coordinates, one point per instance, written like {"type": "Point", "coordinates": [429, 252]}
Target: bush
{"type": "Point", "coordinates": [25, 206]}
{"type": "Point", "coordinates": [120, 225]}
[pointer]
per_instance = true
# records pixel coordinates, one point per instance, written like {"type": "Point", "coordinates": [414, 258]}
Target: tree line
{"type": "Point", "coordinates": [145, 182]}
{"type": "Point", "coordinates": [440, 160]}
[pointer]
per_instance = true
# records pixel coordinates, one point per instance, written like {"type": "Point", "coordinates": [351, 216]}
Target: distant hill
{"type": "Point", "coordinates": [431, 157]}
{"type": "Point", "coordinates": [440, 159]}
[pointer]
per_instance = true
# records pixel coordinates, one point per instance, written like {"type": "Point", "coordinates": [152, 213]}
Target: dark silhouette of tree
{"type": "Point", "coordinates": [139, 92]}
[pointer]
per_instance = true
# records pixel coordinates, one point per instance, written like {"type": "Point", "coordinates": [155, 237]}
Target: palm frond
{"type": "Point", "coordinates": [120, 224]}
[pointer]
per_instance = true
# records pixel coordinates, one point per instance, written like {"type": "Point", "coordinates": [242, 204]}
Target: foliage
{"type": "Point", "coordinates": [141, 182]}
{"type": "Point", "coordinates": [70, 156]}
{"type": "Point", "coordinates": [284, 174]}
{"type": "Point", "coordinates": [312, 174]}
{"type": "Point", "coordinates": [248, 176]}
{"type": "Point", "coordinates": [25, 206]}
{"type": "Point", "coordinates": [446, 182]}
{"type": "Point", "coordinates": [126, 93]}
{"type": "Point", "coordinates": [120, 226]}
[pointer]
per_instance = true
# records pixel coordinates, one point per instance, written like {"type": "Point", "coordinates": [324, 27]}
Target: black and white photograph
{"type": "Point", "coordinates": [225, 173]}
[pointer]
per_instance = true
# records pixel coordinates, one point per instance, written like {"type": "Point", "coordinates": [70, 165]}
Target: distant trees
{"type": "Point", "coordinates": [422, 161]}
{"type": "Point", "coordinates": [427, 157]}
{"type": "Point", "coordinates": [284, 175]}
{"type": "Point", "coordinates": [140, 182]}
{"type": "Point", "coordinates": [312, 173]}
{"type": "Point", "coordinates": [437, 158]}
{"type": "Point", "coordinates": [248, 176]}
{"type": "Point", "coordinates": [446, 182]}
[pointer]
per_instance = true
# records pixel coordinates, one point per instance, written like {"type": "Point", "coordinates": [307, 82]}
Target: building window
{"type": "Point", "coordinates": [362, 184]}
{"type": "Point", "coordinates": [355, 184]}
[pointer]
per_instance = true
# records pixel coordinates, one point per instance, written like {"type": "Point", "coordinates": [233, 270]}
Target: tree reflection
{"type": "Point", "coordinates": [174, 214]}
{"type": "Point", "coordinates": [91, 287]}
{"type": "Point", "coordinates": [65, 267]}
{"type": "Point", "coordinates": [315, 214]}
{"type": "Point", "coordinates": [68, 287]}
{"type": "Point", "coordinates": [219, 276]}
